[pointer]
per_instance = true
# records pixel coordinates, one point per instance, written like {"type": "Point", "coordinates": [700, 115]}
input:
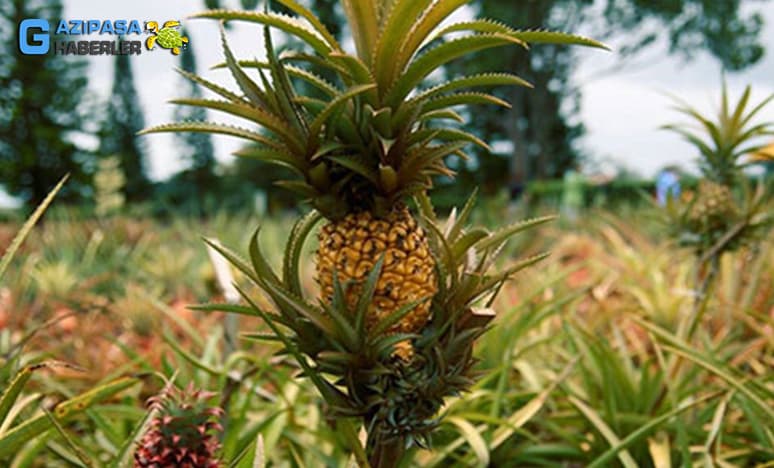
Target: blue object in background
{"type": "Point", "coordinates": [667, 185]}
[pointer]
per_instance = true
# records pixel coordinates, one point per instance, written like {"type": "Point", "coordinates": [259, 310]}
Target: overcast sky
{"type": "Point", "coordinates": [622, 111]}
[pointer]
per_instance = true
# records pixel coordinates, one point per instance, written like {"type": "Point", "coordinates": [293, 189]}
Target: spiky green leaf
{"type": "Point", "coordinates": [217, 89]}
{"type": "Point", "coordinates": [447, 134]}
{"type": "Point", "coordinates": [489, 283]}
{"type": "Point", "coordinates": [421, 30]}
{"type": "Point", "coordinates": [439, 56]}
{"type": "Point", "coordinates": [473, 81]}
{"type": "Point", "coordinates": [263, 270]}
{"type": "Point", "coordinates": [290, 303]}
{"type": "Point", "coordinates": [285, 93]}
{"type": "Point", "coordinates": [212, 127]}
{"type": "Point", "coordinates": [459, 99]}
{"type": "Point", "coordinates": [233, 258]}
{"type": "Point", "coordinates": [334, 105]}
{"type": "Point", "coordinates": [366, 295]}
{"type": "Point", "coordinates": [396, 316]}
{"type": "Point", "coordinates": [466, 241]}
{"type": "Point", "coordinates": [63, 412]}
{"type": "Point", "coordinates": [446, 114]}
{"type": "Point", "coordinates": [332, 395]}
{"type": "Point", "coordinates": [27, 227]}
{"type": "Point", "coordinates": [419, 160]}
{"type": "Point", "coordinates": [541, 36]}
{"type": "Point", "coordinates": [282, 22]}
{"type": "Point", "coordinates": [292, 257]}
{"type": "Point", "coordinates": [462, 218]}
{"type": "Point", "coordinates": [340, 312]}
{"type": "Point", "coordinates": [272, 156]}
{"type": "Point", "coordinates": [358, 164]}
{"type": "Point", "coordinates": [313, 20]}
{"type": "Point", "coordinates": [14, 389]}
{"type": "Point", "coordinates": [362, 19]}
{"type": "Point", "coordinates": [399, 22]}
{"type": "Point", "coordinates": [291, 138]}
{"type": "Point", "coordinates": [503, 234]}
{"type": "Point", "coordinates": [425, 207]}
{"type": "Point", "coordinates": [249, 87]}
{"type": "Point", "coordinates": [298, 186]}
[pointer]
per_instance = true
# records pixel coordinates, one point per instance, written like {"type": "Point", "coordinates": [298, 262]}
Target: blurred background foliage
{"type": "Point", "coordinates": [42, 104]}
{"type": "Point", "coordinates": [45, 109]}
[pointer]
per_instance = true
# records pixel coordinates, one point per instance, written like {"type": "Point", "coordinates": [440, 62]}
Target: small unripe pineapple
{"type": "Point", "coordinates": [713, 207]}
{"type": "Point", "coordinates": [183, 432]}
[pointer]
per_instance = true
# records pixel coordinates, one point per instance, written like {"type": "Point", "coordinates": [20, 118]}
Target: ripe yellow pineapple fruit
{"type": "Point", "coordinates": [352, 246]}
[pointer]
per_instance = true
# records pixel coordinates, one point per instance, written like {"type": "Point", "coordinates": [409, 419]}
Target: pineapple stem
{"type": "Point", "coordinates": [706, 272]}
{"type": "Point", "coordinates": [385, 453]}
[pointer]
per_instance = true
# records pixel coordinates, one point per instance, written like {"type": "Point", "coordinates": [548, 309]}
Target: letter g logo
{"type": "Point", "coordinates": [40, 40]}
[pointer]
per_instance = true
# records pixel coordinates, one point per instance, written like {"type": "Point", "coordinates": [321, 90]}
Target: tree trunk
{"type": "Point", "coordinates": [518, 166]}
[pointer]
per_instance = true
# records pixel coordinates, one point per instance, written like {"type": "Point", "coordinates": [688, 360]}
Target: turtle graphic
{"type": "Point", "coordinates": [167, 37]}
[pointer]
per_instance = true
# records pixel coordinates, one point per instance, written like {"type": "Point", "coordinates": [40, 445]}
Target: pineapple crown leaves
{"type": "Point", "coordinates": [367, 106]}
{"type": "Point", "coordinates": [183, 403]}
{"type": "Point", "coordinates": [184, 414]}
{"type": "Point", "coordinates": [724, 139]}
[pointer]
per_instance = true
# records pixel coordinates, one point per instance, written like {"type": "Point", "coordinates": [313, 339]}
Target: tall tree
{"type": "Point", "coordinates": [542, 125]}
{"type": "Point", "coordinates": [195, 147]}
{"type": "Point", "coordinates": [118, 134]}
{"type": "Point", "coordinates": [41, 109]}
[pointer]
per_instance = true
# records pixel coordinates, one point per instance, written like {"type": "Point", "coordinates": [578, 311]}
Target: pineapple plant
{"type": "Point", "coordinates": [402, 298]}
{"type": "Point", "coordinates": [725, 211]}
{"type": "Point", "coordinates": [183, 431]}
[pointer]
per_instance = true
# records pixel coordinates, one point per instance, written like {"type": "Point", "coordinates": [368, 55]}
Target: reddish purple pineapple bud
{"type": "Point", "coordinates": [183, 433]}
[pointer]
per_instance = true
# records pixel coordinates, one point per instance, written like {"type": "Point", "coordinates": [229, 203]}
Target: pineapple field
{"type": "Point", "coordinates": [365, 320]}
{"type": "Point", "coordinates": [588, 360]}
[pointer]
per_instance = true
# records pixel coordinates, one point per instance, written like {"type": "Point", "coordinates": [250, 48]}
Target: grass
{"type": "Point", "coordinates": [588, 363]}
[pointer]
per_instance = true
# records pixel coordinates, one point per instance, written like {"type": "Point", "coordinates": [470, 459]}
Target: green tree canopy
{"type": "Point", "coordinates": [41, 109]}
{"type": "Point", "coordinates": [542, 126]}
